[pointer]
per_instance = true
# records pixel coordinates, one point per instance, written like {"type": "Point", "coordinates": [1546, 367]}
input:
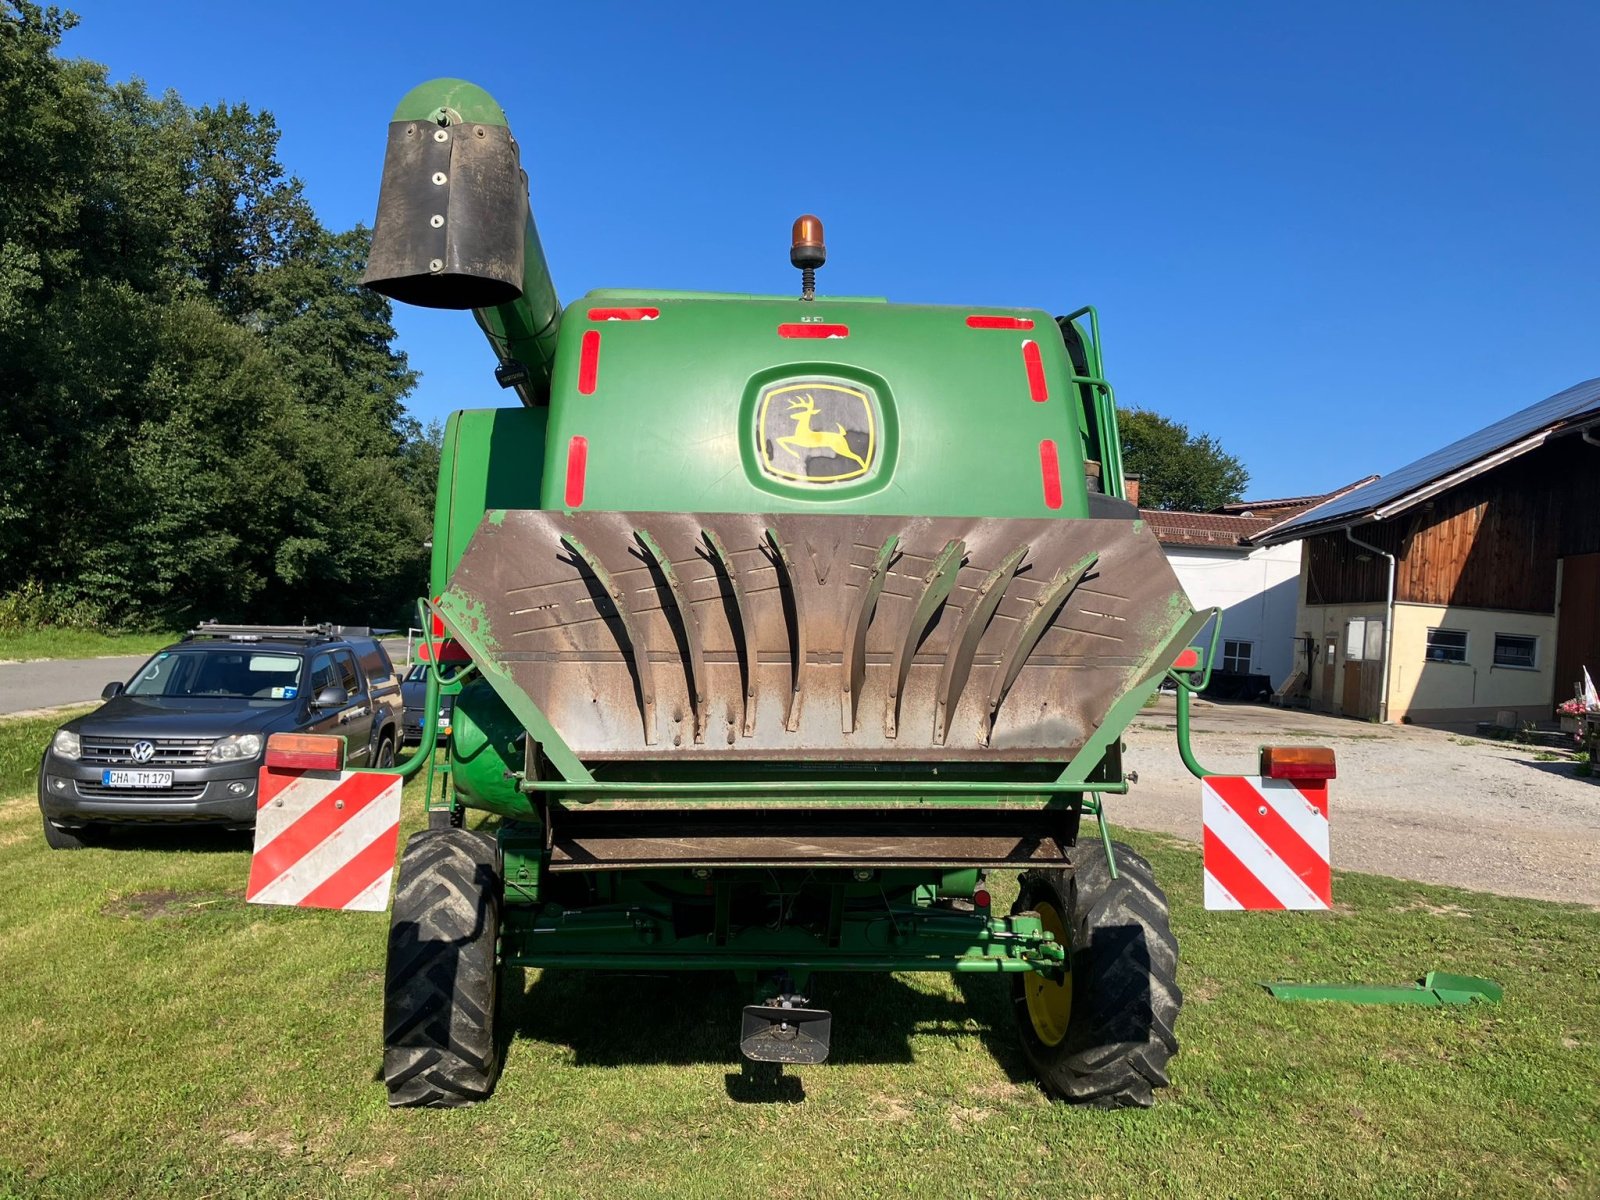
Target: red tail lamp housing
{"type": "Point", "coordinates": [305, 751]}
{"type": "Point", "coordinates": [1300, 763]}
{"type": "Point", "coordinates": [447, 651]}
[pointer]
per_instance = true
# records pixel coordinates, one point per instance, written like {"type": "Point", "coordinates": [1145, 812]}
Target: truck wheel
{"type": "Point", "coordinates": [58, 838]}
{"type": "Point", "coordinates": [385, 757]}
{"type": "Point", "coordinates": [1104, 1035]}
{"type": "Point", "coordinates": [440, 1048]}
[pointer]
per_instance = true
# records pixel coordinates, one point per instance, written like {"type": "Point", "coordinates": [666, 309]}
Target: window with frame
{"type": "Point", "coordinates": [324, 674]}
{"type": "Point", "coordinates": [1236, 656]}
{"type": "Point", "coordinates": [347, 672]}
{"type": "Point", "coordinates": [1515, 650]}
{"type": "Point", "coordinates": [1447, 645]}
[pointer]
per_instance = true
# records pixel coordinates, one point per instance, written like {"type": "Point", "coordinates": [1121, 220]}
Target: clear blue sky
{"type": "Point", "coordinates": [1336, 236]}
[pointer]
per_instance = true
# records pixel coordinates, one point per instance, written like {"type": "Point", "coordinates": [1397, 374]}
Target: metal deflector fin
{"type": "Point", "coordinates": [1028, 635]}
{"type": "Point", "coordinates": [937, 585]}
{"type": "Point", "coordinates": [785, 564]}
{"type": "Point", "coordinates": [695, 668]}
{"type": "Point", "coordinates": [970, 631]}
{"type": "Point", "coordinates": [855, 638]}
{"type": "Point", "coordinates": [643, 672]}
{"type": "Point", "coordinates": [747, 653]}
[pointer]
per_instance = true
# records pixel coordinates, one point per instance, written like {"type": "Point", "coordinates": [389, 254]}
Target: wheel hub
{"type": "Point", "coordinates": [1050, 1000]}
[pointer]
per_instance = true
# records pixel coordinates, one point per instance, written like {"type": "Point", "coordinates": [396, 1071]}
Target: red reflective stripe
{"type": "Point", "coordinates": [313, 828]}
{"type": "Point", "coordinates": [1278, 835]}
{"type": "Point", "coordinates": [1233, 875]}
{"type": "Point", "coordinates": [624, 314]}
{"type": "Point", "coordinates": [273, 782]}
{"type": "Point", "coordinates": [979, 321]}
{"type": "Point", "coordinates": [1037, 387]}
{"type": "Point", "coordinates": [589, 362]}
{"type": "Point", "coordinates": [1050, 469]}
{"type": "Point", "coordinates": [813, 331]}
{"type": "Point", "coordinates": [1316, 793]}
{"type": "Point", "coordinates": [374, 862]}
{"type": "Point", "coordinates": [577, 468]}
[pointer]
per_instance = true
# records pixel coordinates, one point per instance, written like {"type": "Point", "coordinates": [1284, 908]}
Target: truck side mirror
{"type": "Point", "coordinates": [331, 696]}
{"type": "Point", "coordinates": [114, 688]}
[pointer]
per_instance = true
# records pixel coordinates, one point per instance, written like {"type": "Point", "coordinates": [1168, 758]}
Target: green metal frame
{"type": "Point", "coordinates": [1104, 403]}
{"type": "Point", "coordinates": [1438, 988]}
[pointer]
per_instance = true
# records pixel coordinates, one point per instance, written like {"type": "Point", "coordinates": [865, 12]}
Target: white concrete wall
{"type": "Point", "coordinates": [1475, 688]}
{"type": "Point", "coordinates": [1257, 593]}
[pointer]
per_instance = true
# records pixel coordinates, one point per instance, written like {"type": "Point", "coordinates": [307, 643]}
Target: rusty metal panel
{"type": "Point", "coordinates": [637, 840]}
{"type": "Point", "coordinates": [598, 640]}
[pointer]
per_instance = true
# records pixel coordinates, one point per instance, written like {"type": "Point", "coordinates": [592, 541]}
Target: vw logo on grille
{"type": "Point", "coordinates": [142, 751]}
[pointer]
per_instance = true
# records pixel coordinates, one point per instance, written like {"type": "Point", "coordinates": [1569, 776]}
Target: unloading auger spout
{"type": "Point", "coordinates": [455, 229]}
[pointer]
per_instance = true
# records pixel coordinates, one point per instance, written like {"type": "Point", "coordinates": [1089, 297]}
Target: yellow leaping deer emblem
{"type": "Point", "coordinates": [806, 438]}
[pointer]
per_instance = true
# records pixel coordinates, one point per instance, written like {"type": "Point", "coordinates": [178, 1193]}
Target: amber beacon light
{"type": "Point", "coordinates": [808, 252]}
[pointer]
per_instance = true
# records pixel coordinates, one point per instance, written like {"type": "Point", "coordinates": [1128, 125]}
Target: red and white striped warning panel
{"type": "Point", "coordinates": [1266, 843]}
{"type": "Point", "coordinates": [325, 839]}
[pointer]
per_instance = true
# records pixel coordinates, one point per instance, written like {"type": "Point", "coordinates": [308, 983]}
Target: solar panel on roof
{"type": "Point", "coordinates": [1576, 401]}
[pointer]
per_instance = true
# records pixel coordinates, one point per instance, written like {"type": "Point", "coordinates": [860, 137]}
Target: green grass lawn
{"type": "Point", "coordinates": [163, 1038]}
{"type": "Point", "coordinates": [23, 645]}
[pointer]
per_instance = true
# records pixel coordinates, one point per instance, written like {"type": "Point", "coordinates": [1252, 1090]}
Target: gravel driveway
{"type": "Point", "coordinates": [1411, 803]}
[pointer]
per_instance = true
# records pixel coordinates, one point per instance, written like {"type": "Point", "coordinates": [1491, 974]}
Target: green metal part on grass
{"type": "Point", "coordinates": [1437, 988]}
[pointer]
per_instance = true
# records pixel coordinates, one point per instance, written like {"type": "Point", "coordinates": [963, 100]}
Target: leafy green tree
{"type": "Point", "coordinates": [203, 411]}
{"type": "Point", "coordinates": [1178, 470]}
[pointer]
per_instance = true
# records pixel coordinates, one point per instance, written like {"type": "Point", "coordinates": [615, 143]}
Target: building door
{"type": "Point", "coordinates": [1350, 704]}
{"type": "Point", "coordinates": [1578, 630]}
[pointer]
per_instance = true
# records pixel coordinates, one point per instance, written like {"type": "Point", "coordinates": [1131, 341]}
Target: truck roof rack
{"type": "Point", "coordinates": [212, 630]}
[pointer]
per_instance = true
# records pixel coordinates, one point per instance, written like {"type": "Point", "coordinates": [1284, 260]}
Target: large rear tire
{"type": "Point", "coordinates": [440, 1043]}
{"type": "Point", "coordinates": [1104, 1035]}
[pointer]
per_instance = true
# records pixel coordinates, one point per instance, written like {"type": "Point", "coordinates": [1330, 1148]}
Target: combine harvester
{"type": "Point", "coordinates": [776, 624]}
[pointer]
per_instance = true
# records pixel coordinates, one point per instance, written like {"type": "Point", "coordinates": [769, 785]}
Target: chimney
{"type": "Point", "coordinates": [1130, 485]}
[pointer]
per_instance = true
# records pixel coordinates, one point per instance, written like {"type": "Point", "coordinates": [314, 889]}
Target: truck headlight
{"type": "Point", "coordinates": [67, 745]}
{"type": "Point", "coordinates": [235, 747]}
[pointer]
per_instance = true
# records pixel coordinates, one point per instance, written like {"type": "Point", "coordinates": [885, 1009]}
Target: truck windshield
{"type": "Point", "coordinates": [230, 674]}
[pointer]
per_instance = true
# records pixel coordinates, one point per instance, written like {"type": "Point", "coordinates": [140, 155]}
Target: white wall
{"type": "Point", "coordinates": [1476, 687]}
{"type": "Point", "coordinates": [1257, 593]}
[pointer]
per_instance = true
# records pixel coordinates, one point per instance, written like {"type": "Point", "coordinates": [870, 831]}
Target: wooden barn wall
{"type": "Point", "coordinates": [1574, 467]}
{"type": "Point", "coordinates": [1492, 542]}
{"type": "Point", "coordinates": [1338, 572]}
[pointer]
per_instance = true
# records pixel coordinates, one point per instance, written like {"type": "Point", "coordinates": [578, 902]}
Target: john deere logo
{"type": "Point", "coordinates": [816, 432]}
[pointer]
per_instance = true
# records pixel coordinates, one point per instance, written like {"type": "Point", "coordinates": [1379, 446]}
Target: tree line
{"type": "Point", "coordinates": [201, 412]}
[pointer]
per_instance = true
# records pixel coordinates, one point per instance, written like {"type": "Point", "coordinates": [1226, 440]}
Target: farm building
{"type": "Point", "coordinates": [1463, 587]}
{"type": "Point", "coordinates": [1256, 587]}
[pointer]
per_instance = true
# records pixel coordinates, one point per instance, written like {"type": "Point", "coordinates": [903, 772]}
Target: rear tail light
{"type": "Point", "coordinates": [306, 751]}
{"type": "Point", "coordinates": [1302, 763]}
{"type": "Point", "coordinates": [1188, 659]}
{"type": "Point", "coordinates": [447, 651]}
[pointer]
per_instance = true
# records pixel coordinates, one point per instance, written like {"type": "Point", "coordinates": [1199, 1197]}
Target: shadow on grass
{"type": "Point", "coordinates": [613, 1019]}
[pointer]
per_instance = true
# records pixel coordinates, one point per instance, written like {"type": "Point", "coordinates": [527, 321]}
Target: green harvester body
{"type": "Point", "coordinates": [780, 621]}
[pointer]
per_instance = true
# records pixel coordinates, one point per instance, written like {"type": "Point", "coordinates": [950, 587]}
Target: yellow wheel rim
{"type": "Point", "coordinates": [1049, 1002]}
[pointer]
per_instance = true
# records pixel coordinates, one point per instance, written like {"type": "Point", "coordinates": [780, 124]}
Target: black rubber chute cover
{"type": "Point", "coordinates": [453, 221]}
